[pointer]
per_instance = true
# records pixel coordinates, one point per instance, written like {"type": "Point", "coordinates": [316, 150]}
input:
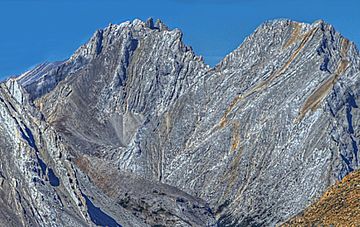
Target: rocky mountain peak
{"type": "Point", "coordinates": [123, 39]}
{"type": "Point", "coordinates": [277, 38]}
{"type": "Point", "coordinates": [104, 37]}
{"type": "Point", "coordinates": [136, 130]}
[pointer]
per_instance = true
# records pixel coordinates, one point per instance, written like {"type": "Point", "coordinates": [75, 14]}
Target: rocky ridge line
{"type": "Point", "coordinates": [253, 141]}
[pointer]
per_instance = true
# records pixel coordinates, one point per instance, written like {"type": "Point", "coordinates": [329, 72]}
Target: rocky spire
{"type": "Point", "coordinates": [159, 24]}
{"type": "Point", "coordinates": [150, 23]}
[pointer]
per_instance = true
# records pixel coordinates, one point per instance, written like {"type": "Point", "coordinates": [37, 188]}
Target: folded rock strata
{"type": "Point", "coordinates": [134, 129]}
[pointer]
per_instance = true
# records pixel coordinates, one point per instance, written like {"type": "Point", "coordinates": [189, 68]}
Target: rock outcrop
{"type": "Point", "coordinates": [134, 129]}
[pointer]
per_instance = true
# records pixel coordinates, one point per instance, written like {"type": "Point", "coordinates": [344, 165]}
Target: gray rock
{"type": "Point", "coordinates": [137, 125]}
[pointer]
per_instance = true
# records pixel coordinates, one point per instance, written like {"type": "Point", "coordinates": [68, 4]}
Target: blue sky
{"type": "Point", "coordinates": [34, 31]}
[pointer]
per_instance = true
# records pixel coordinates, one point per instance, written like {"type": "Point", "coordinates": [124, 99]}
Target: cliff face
{"type": "Point", "coordinates": [135, 130]}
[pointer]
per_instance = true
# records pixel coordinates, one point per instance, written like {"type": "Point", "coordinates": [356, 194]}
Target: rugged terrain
{"type": "Point", "coordinates": [134, 129]}
{"type": "Point", "coordinates": [339, 206]}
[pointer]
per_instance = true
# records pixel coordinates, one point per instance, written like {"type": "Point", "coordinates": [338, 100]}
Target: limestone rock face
{"type": "Point", "coordinates": [134, 129]}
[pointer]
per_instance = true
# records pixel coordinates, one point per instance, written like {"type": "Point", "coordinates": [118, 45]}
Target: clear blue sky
{"type": "Point", "coordinates": [34, 31]}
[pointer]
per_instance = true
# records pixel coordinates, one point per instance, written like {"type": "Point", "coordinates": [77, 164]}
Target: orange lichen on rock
{"type": "Point", "coordinates": [235, 140]}
{"type": "Point", "coordinates": [313, 101]}
{"type": "Point", "coordinates": [283, 69]}
{"type": "Point", "coordinates": [295, 35]}
{"type": "Point", "coordinates": [98, 175]}
{"type": "Point", "coordinates": [231, 176]}
{"type": "Point", "coordinates": [306, 38]}
{"type": "Point", "coordinates": [223, 120]}
{"type": "Point", "coordinates": [263, 84]}
{"type": "Point", "coordinates": [345, 44]}
{"type": "Point", "coordinates": [339, 206]}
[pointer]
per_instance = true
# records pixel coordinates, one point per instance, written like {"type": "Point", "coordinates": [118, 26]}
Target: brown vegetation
{"type": "Point", "coordinates": [339, 206]}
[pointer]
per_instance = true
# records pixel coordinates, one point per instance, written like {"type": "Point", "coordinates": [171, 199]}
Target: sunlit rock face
{"type": "Point", "coordinates": [134, 129]}
{"type": "Point", "coordinates": [339, 205]}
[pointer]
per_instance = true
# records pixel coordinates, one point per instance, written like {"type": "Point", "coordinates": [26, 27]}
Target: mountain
{"type": "Point", "coordinates": [134, 129]}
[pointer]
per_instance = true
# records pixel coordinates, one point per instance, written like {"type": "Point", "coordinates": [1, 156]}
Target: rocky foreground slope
{"type": "Point", "coordinates": [136, 130]}
{"type": "Point", "coordinates": [339, 206]}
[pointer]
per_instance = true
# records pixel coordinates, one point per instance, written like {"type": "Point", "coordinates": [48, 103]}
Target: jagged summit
{"type": "Point", "coordinates": [106, 36]}
{"type": "Point", "coordinates": [288, 32]}
{"type": "Point", "coordinates": [279, 36]}
{"type": "Point", "coordinates": [125, 38]}
{"type": "Point", "coordinates": [159, 25]}
{"type": "Point", "coordinates": [135, 127]}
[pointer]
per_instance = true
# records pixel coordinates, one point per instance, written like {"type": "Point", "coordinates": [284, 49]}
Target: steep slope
{"type": "Point", "coordinates": [134, 73]}
{"type": "Point", "coordinates": [138, 202]}
{"type": "Point", "coordinates": [339, 206]}
{"type": "Point", "coordinates": [274, 125]}
{"type": "Point", "coordinates": [30, 192]}
{"type": "Point", "coordinates": [156, 137]}
{"type": "Point", "coordinates": [41, 186]}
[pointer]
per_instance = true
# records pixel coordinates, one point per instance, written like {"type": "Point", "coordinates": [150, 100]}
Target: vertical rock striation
{"type": "Point", "coordinates": [138, 129]}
